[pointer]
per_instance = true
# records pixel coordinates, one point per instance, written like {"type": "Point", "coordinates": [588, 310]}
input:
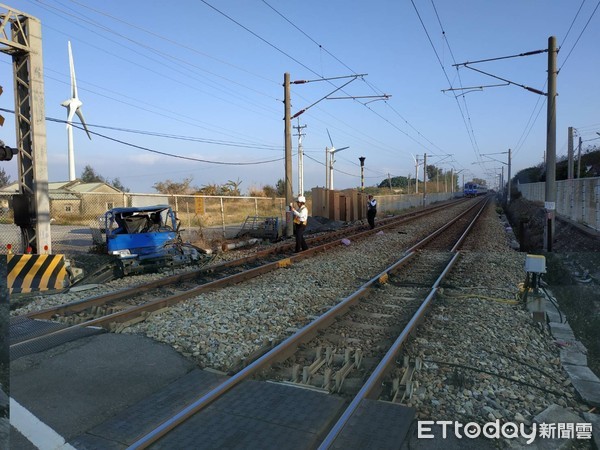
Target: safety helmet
{"type": "Point", "coordinates": [301, 199]}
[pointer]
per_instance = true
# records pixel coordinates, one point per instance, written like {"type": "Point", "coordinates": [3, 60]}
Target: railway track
{"type": "Point", "coordinates": [116, 310]}
{"type": "Point", "coordinates": [359, 338]}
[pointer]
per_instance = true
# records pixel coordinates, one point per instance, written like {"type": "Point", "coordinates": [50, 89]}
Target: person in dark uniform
{"type": "Point", "coordinates": [371, 211]}
{"type": "Point", "coordinates": [300, 221]}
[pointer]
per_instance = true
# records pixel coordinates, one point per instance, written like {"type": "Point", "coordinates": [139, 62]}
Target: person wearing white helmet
{"type": "Point", "coordinates": [300, 221]}
{"type": "Point", "coordinates": [371, 211]}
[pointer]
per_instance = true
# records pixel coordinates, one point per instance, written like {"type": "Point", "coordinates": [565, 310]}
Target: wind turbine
{"type": "Point", "coordinates": [73, 106]}
{"type": "Point", "coordinates": [329, 152]}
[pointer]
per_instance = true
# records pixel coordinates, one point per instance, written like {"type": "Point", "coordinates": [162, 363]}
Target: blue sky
{"type": "Point", "coordinates": [209, 74]}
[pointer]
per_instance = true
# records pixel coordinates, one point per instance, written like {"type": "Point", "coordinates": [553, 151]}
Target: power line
{"type": "Point", "coordinates": [580, 34]}
{"type": "Point", "coordinates": [373, 88]}
{"type": "Point", "coordinates": [472, 137]}
{"type": "Point", "coordinates": [147, 149]}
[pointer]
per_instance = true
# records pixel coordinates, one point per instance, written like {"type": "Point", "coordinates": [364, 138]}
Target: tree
{"type": "Point", "coordinates": [4, 178]}
{"type": "Point", "coordinates": [209, 189]}
{"type": "Point", "coordinates": [433, 172]}
{"type": "Point", "coordinates": [396, 182]}
{"type": "Point", "coordinates": [280, 187]}
{"type": "Point", "coordinates": [270, 191]}
{"type": "Point", "coordinates": [172, 187]}
{"type": "Point", "coordinates": [231, 188]}
{"type": "Point", "coordinates": [89, 175]}
{"type": "Point", "coordinates": [116, 183]}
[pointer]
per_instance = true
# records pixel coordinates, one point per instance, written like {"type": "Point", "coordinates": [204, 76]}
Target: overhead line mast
{"type": "Point", "coordinates": [23, 42]}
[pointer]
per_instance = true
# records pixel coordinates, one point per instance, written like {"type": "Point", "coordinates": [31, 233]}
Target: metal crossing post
{"type": "Point", "coordinates": [32, 206]}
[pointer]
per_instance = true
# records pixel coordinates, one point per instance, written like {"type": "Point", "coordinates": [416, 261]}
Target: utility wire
{"type": "Point", "coordinates": [172, 155]}
{"type": "Point", "coordinates": [373, 88]}
{"type": "Point", "coordinates": [470, 130]}
{"type": "Point", "coordinates": [171, 41]}
{"type": "Point", "coordinates": [188, 138]}
{"type": "Point", "coordinates": [473, 142]}
{"type": "Point", "coordinates": [580, 34]}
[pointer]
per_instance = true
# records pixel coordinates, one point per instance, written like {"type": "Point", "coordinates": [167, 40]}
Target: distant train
{"type": "Point", "coordinates": [473, 189]}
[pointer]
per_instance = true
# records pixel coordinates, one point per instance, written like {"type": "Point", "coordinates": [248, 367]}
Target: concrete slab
{"type": "Point", "coordinates": [562, 331]}
{"type": "Point", "coordinates": [258, 415]}
{"type": "Point", "coordinates": [139, 419]}
{"type": "Point", "coordinates": [376, 424]}
{"type": "Point", "coordinates": [573, 356]}
{"type": "Point", "coordinates": [581, 373]}
{"type": "Point", "coordinates": [554, 415]}
{"type": "Point", "coordinates": [557, 414]}
{"type": "Point", "coordinates": [594, 419]}
{"type": "Point", "coordinates": [80, 384]}
{"type": "Point", "coordinates": [589, 391]}
{"type": "Point", "coordinates": [554, 316]}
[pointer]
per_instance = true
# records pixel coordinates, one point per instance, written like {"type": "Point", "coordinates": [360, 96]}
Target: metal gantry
{"type": "Point", "coordinates": [21, 38]}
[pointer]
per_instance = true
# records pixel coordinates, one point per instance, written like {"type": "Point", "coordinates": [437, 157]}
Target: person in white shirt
{"type": "Point", "coordinates": [371, 211]}
{"type": "Point", "coordinates": [300, 221]}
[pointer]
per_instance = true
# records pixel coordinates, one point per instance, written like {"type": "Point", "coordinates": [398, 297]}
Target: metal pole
{"type": "Point", "coordinates": [424, 179]}
{"type": "Point", "coordinates": [289, 230]}
{"type": "Point", "coordinates": [579, 160]}
{"type": "Point", "coordinates": [550, 203]}
{"type": "Point", "coordinates": [508, 198]}
{"type": "Point", "coordinates": [326, 168]}
{"type": "Point", "coordinates": [362, 172]}
{"type": "Point", "coordinates": [570, 153]}
{"type": "Point", "coordinates": [25, 47]}
{"type": "Point", "coordinates": [300, 159]}
{"type": "Point", "coordinates": [417, 174]}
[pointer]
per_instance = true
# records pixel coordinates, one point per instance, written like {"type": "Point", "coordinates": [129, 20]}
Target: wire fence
{"type": "Point", "coordinates": [76, 219]}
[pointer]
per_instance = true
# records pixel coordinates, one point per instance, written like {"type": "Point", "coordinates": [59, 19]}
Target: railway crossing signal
{"type": "Point", "coordinates": [6, 152]}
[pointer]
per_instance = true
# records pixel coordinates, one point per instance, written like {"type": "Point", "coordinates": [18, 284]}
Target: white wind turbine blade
{"type": "Point", "coordinates": [73, 79]}
{"type": "Point", "coordinates": [329, 137]}
{"type": "Point", "coordinates": [80, 115]}
{"type": "Point", "coordinates": [74, 104]}
{"type": "Point", "coordinates": [70, 110]}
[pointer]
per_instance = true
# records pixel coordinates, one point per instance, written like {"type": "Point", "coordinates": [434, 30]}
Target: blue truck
{"type": "Point", "coordinates": [147, 239]}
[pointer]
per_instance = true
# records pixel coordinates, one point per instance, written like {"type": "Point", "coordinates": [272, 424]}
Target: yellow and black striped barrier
{"type": "Point", "coordinates": [32, 273]}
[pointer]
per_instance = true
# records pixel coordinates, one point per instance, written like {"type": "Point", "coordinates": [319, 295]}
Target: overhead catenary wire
{"type": "Point", "coordinates": [377, 91]}
{"type": "Point", "coordinates": [159, 152]}
{"type": "Point", "coordinates": [470, 134]}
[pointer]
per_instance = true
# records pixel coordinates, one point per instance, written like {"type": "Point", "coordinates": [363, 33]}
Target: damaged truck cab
{"type": "Point", "coordinates": [147, 239]}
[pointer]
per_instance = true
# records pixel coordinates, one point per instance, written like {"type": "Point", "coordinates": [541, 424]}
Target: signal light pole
{"type": "Point", "coordinates": [362, 172]}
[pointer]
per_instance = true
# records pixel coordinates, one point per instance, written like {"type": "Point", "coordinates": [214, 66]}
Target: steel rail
{"type": "Point", "coordinates": [122, 294]}
{"type": "Point", "coordinates": [282, 350]}
{"type": "Point", "coordinates": [374, 381]}
{"type": "Point", "coordinates": [136, 311]}
{"type": "Point", "coordinates": [372, 387]}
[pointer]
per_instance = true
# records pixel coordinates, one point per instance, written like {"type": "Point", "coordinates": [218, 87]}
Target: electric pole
{"type": "Point", "coordinates": [300, 158]}
{"type": "Point", "coordinates": [289, 230]}
{"type": "Point", "coordinates": [417, 174]}
{"type": "Point", "coordinates": [570, 154]}
{"type": "Point", "coordinates": [579, 159]}
{"type": "Point", "coordinates": [550, 203]}
{"type": "Point", "coordinates": [424, 179]}
{"type": "Point", "coordinates": [509, 163]}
